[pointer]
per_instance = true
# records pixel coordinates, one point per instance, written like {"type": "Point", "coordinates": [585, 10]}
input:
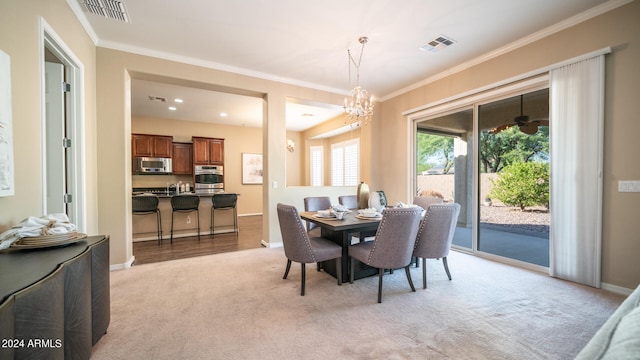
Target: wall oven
{"type": "Point", "coordinates": [209, 179]}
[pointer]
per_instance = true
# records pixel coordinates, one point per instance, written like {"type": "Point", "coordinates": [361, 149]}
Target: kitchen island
{"type": "Point", "coordinates": [185, 224]}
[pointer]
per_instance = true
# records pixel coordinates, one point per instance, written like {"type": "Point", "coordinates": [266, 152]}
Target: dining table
{"type": "Point", "coordinates": [341, 231]}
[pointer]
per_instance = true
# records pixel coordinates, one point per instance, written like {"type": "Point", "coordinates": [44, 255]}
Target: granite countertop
{"type": "Point", "coordinates": [163, 193]}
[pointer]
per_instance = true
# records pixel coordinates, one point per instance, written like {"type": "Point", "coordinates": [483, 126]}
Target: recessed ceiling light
{"type": "Point", "coordinates": [179, 101]}
{"type": "Point", "coordinates": [223, 114]}
{"type": "Point", "coordinates": [172, 108]}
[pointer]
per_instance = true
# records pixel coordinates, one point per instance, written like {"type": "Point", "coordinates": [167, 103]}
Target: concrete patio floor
{"type": "Point", "coordinates": [507, 242]}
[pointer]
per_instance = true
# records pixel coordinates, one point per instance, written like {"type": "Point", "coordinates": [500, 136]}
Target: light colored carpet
{"type": "Point", "coordinates": [237, 306]}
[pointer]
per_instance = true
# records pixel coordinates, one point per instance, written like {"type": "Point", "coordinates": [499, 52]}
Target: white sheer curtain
{"type": "Point", "coordinates": [576, 128]}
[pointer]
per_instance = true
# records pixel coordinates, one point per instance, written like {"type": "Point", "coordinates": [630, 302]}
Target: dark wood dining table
{"type": "Point", "coordinates": [341, 232]}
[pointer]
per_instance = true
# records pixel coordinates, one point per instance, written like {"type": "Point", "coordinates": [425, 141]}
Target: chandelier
{"type": "Point", "coordinates": [358, 106]}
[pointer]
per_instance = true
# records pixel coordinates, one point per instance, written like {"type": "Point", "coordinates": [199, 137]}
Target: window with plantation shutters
{"type": "Point", "coordinates": [317, 164]}
{"type": "Point", "coordinates": [345, 163]}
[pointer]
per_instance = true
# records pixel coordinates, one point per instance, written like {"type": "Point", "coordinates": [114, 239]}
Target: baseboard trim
{"type": "Point", "coordinates": [182, 235]}
{"type": "Point", "coordinates": [616, 289]}
{"type": "Point", "coordinates": [123, 266]}
{"type": "Point", "coordinates": [270, 245]}
{"type": "Point", "coordinates": [249, 214]}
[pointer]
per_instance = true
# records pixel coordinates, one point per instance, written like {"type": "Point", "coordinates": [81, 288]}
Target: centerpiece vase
{"type": "Point", "coordinates": [363, 195]}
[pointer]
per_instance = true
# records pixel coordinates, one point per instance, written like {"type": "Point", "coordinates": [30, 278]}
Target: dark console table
{"type": "Point", "coordinates": [54, 302]}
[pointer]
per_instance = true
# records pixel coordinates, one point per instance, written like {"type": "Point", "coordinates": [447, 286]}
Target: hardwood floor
{"type": "Point", "coordinates": [249, 237]}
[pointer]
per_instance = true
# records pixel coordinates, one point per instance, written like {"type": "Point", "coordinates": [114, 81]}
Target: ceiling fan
{"type": "Point", "coordinates": [525, 125]}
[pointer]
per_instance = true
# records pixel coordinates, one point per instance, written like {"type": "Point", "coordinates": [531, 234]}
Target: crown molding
{"type": "Point", "coordinates": [215, 66]}
{"type": "Point", "coordinates": [80, 15]}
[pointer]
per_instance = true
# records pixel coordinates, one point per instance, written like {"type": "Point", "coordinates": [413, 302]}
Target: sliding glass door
{"type": "Point", "coordinates": [513, 177]}
{"type": "Point", "coordinates": [491, 156]}
{"type": "Point", "coordinates": [444, 166]}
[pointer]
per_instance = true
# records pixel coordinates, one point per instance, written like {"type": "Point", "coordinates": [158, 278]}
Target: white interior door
{"type": "Point", "coordinates": [55, 134]}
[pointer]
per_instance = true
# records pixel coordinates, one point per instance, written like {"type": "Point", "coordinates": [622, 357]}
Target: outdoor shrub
{"type": "Point", "coordinates": [522, 184]}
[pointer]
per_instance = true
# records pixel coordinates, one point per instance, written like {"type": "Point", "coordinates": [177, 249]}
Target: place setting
{"type": "Point", "coordinates": [368, 214]}
{"type": "Point", "coordinates": [336, 212]}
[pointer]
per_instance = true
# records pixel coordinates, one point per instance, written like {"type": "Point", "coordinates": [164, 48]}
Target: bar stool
{"type": "Point", "coordinates": [145, 205]}
{"type": "Point", "coordinates": [224, 202]}
{"type": "Point", "coordinates": [185, 204]}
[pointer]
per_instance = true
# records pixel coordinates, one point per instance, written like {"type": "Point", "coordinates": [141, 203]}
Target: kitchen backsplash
{"type": "Point", "coordinates": [146, 181]}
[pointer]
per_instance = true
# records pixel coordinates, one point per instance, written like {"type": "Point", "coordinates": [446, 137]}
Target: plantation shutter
{"type": "Point", "coordinates": [351, 164]}
{"type": "Point", "coordinates": [317, 164]}
{"type": "Point", "coordinates": [345, 163]}
{"type": "Point", "coordinates": [337, 165]}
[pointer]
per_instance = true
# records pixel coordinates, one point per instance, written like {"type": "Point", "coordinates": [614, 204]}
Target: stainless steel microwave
{"type": "Point", "coordinates": [151, 166]}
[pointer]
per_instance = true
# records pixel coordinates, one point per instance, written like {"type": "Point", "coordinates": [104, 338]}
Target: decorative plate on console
{"type": "Point", "coordinates": [45, 241]}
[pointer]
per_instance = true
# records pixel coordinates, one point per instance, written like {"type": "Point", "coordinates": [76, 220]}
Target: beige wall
{"type": "Point", "coordinates": [295, 160]}
{"type": "Point", "coordinates": [619, 29]}
{"type": "Point", "coordinates": [20, 38]}
{"type": "Point", "coordinates": [238, 140]}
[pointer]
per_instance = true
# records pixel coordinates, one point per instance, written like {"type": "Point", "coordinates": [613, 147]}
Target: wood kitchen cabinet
{"type": "Point", "coordinates": [208, 151]}
{"type": "Point", "coordinates": [143, 145]}
{"type": "Point", "coordinates": [182, 160]}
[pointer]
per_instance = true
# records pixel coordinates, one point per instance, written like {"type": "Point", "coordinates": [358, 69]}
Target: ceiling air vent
{"type": "Point", "coordinates": [157, 98]}
{"type": "Point", "coordinates": [111, 9]}
{"type": "Point", "coordinates": [437, 44]}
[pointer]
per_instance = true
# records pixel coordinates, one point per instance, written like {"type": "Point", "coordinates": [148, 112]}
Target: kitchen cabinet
{"type": "Point", "coordinates": [208, 151]}
{"type": "Point", "coordinates": [143, 145]}
{"type": "Point", "coordinates": [182, 160]}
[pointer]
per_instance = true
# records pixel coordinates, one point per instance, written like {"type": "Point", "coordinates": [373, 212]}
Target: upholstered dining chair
{"type": "Point", "coordinates": [315, 203]}
{"type": "Point", "coordinates": [348, 201]}
{"type": "Point", "coordinates": [300, 247]}
{"type": "Point", "coordinates": [392, 246]}
{"type": "Point", "coordinates": [435, 236]}
{"type": "Point", "coordinates": [351, 202]}
{"type": "Point", "coordinates": [426, 201]}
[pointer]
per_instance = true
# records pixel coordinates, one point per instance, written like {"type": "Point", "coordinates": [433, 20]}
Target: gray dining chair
{"type": "Point", "coordinates": [348, 201]}
{"type": "Point", "coordinates": [351, 202]}
{"type": "Point", "coordinates": [435, 236]}
{"type": "Point", "coordinates": [426, 201]}
{"type": "Point", "coordinates": [315, 203]}
{"type": "Point", "coordinates": [392, 246]}
{"type": "Point", "coordinates": [301, 248]}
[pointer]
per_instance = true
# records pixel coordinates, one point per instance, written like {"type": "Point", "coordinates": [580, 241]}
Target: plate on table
{"type": "Point", "coordinates": [318, 216]}
{"type": "Point", "coordinates": [363, 217]}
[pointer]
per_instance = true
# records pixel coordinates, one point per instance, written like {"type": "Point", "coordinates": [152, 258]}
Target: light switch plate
{"type": "Point", "coordinates": [628, 186]}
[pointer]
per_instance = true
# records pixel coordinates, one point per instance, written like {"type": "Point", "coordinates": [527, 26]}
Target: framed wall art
{"type": "Point", "coordinates": [6, 128]}
{"type": "Point", "coordinates": [251, 168]}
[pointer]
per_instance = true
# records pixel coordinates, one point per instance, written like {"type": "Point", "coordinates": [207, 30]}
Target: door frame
{"type": "Point", "coordinates": [75, 115]}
